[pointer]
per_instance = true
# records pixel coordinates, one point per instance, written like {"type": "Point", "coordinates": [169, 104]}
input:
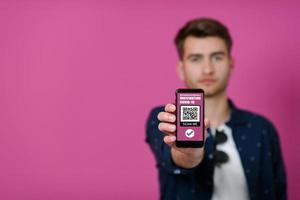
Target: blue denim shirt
{"type": "Point", "coordinates": [257, 143]}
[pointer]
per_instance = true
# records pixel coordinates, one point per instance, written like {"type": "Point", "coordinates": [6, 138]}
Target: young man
{"type": "Point", "coordinates": [241, 158]}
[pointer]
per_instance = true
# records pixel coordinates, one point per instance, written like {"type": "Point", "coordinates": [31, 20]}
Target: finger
{"type": "Point", "coordinates": [171, 108]}
{"type": "Point", "coordinates": [205, 135]}
{"type": "Point", "coordinates": [170, 140]}
{"type": "Point", "coordinates": [166, 117]}
{"type": "Point", "coordinates": [206, 123]}
{"type": "Point", "coordinates": [166, 127]}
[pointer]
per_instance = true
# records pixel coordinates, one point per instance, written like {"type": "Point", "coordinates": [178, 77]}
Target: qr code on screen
{"type": "Point", "coordinates": [190, 113]}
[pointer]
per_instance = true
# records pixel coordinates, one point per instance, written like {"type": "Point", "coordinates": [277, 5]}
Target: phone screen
{"type": "Point", "coordinates": [190, 117]}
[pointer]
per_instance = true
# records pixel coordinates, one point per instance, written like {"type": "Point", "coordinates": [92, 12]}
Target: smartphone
{"type": "Point", "coordinates": [189, 118]}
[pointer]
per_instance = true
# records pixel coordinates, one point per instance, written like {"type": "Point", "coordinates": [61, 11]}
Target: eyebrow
{"type": "Point", "coordinates": [197, 55]}
{"type": "Point", "coordinates": [221, 53]}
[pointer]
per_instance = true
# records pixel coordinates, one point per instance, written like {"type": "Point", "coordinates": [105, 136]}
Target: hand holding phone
{"type": "Point", "coordinates": [190, 118]}
{"type": "Point", "coordinates": [184, 157]}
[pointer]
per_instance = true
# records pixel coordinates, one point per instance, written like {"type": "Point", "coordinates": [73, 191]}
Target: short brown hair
{"type": "Point", "coordinates": [201, 28]}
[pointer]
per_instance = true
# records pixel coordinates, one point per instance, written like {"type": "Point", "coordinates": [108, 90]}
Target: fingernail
{"type": "Point", "coordinates": [172, 107]}
{"type": "Point", "coordinates": [171, 117]}
{"type": "Point", "coordinates": [172, 127]}
{"type": "Point", "coordinates": [173, 138]}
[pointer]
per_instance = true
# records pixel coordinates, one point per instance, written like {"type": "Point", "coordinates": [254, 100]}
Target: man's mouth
{"type": "Point", "coordinates": [207, 81]}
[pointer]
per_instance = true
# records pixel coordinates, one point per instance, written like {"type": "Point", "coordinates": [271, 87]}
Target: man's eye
{"type": "Point", "coordinates": [217, 58]}
{"type": "Point", "coordinates": [195, 59]}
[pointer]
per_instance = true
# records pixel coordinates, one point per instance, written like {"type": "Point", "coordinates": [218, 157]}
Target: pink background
{"type": "Point", "coordinates": [78, 78]}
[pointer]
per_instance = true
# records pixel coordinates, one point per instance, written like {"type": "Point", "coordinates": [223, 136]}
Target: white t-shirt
{"type": "Point", "coordinates": [229, 178]}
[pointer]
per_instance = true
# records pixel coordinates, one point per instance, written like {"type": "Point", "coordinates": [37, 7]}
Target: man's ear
{"type": "Point", "coordinates": [232, 62]}
{"type": "Point", "coordinates": [180, 70]}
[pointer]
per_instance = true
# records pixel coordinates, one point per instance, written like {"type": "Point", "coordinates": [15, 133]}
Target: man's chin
{"type": "Point", "coordinates": [209, 95]}
{"type": "Point", "coordinates": [209, 90]}
{"type": "Point", "coordinates": [213, 93]}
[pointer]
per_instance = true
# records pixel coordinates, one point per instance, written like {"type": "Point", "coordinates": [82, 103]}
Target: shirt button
{"type": "Point", "coordinates": [243, 137]}
{"type": "Point", "coordinates": [258, 145]}
{"type": "Point", "coordinates": [177, 171]}
{"type": "Point", "coordinates": [269, 154]}
{"type": "Point", "coordinates": [266, 191]}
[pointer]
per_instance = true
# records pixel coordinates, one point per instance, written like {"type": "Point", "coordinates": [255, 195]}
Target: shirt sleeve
{"type": "Point", "coordinates": [280, 182]}
{"type": "Point", "coordinates": [161, 151]}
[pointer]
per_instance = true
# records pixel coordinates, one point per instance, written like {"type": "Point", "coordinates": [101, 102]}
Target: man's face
{"type": "Point", "coordinates": [205, 64]}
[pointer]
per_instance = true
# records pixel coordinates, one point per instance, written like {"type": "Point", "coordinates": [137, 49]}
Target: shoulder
{"type": "Point", "coordinates": [257, 121]}
{"type": "Point", "coordinates": [254, 117]}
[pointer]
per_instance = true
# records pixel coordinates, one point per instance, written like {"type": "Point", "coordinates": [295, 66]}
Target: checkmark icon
{"type": "Point", "coordinates": [189, 133]}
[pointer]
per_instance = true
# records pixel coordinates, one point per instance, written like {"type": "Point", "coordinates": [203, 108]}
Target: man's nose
{"type": "Point", "coordinates": [208, 67]}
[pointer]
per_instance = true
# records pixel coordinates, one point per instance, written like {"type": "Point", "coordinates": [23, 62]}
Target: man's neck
{"type": "Point", "coordinates": [217, 109]}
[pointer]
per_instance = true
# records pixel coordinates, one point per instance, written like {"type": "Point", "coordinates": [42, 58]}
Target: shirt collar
{"type": "Point", "coordinates": [236, 116]}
